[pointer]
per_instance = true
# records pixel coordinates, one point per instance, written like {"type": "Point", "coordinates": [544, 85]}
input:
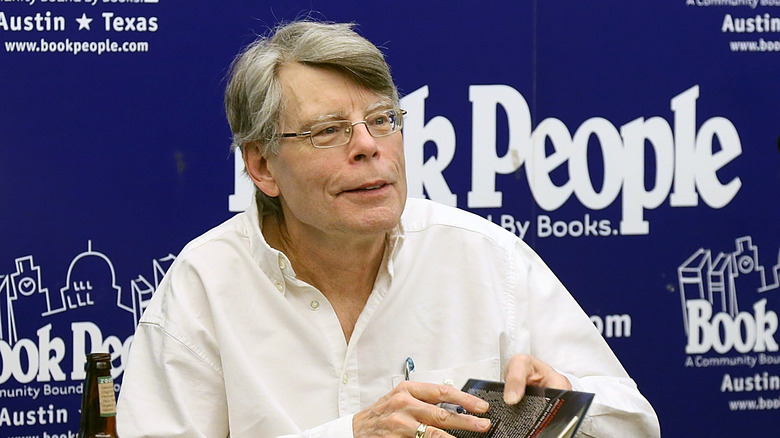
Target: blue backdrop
{"type": "Point", "coordinates": [634, 145]}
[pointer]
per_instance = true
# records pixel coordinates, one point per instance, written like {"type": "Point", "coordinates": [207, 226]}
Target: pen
{"type": "Point", "coordinates": [455, 409]}
{"type": "Point", "coordinates": [408, 367]}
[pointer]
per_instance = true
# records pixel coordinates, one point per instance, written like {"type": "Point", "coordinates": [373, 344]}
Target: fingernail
{"type": "Point", "coordinates": [511, 398]}
{"type": "Point", "coordinates": [484, 423]}
{"type": "Point", "coordinates": [482, 405]}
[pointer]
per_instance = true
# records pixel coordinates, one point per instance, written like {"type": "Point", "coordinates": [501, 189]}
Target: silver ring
{"type": "Point", "coordinates": [420, 430]}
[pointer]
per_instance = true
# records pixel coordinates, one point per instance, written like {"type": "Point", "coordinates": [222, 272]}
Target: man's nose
{"type": "Point", "coordinates": [362, 145]}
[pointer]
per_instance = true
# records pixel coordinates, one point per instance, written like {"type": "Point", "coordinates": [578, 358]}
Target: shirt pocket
{"type": "Point", "coordinates": [457, 376]}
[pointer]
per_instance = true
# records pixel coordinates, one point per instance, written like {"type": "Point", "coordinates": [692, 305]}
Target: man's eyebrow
{"type": "Point", "coordinates": [307, 124]}
{"type": "Point", "coordinates": [378, 105]}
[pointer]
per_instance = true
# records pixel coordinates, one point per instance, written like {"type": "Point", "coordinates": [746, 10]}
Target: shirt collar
{"type": "Point", "coordinates": [272, 260]}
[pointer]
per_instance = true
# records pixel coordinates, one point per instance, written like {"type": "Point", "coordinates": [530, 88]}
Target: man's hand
{"type": "Point", "coordinates": [402, 410]}
{"type": "Point", "coordinates": [522, 370]}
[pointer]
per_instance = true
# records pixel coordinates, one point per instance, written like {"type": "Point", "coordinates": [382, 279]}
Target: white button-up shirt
{"type": "Point", "coordinates": [233, 344]}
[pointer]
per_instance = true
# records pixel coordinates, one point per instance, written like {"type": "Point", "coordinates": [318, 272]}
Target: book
{"type": "Point", "coordinates": [541, 413]}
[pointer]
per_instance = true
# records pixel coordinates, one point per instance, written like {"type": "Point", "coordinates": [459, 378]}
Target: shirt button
{"type": "Point", "coordinates": [280, 286]}
{"type": "Point", "coordinates": [314, 306]}
{"type": "Point", "coordinates": [282, 264]}
{"type": "Point", "coordinates": [345, 379]}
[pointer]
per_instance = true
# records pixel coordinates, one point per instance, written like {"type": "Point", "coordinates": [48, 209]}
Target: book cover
{"type": "Point", "coordinates": [542, 412]}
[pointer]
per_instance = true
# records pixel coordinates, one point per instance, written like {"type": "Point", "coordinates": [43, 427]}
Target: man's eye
{"type": "Point", "coordinates": [326, 130]}
{"type": "Point", "coordinates": [379, 120]}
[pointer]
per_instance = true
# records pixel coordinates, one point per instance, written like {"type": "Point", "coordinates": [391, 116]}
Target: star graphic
{"type": "Point", "coordinates": [84, 22]}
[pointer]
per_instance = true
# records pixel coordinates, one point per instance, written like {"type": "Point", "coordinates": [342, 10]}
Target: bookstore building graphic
{"type": "Point", "coordinates": [46, 332]}
{"type": "Point", "coordinates": [724, 305]}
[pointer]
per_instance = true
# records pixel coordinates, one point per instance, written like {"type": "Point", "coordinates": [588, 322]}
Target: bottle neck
{"type": "Point", "coordinates": [98, 403]}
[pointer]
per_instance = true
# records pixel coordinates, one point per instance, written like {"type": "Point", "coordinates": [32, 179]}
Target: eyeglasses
{"type": "Point", "coordinates": [339, 132]}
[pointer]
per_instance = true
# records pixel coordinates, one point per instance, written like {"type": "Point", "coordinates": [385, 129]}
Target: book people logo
{"type": "Point", "coordinates": [718, 297]}
{"type": "Point", "coordinates": [33, 315]}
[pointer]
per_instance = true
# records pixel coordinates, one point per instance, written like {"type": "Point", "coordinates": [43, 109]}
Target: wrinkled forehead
{"type": "Point", "coordinates": [311, 94]}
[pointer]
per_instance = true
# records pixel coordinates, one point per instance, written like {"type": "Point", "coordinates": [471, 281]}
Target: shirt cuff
{"type": "Point", "coordinates": [576, 385]}
{"type": "Point", "coordinates": [338, 428]}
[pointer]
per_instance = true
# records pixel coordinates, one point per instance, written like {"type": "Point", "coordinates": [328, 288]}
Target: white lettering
{"type": "Point", "coordinates": [613, 326]}
{"type": "Point", "coordinates": [686, 161]}
{"type": "Point", "coordinates": [715, 194]}
{"type": "Point", "coordinates": [38, 22]}
{"type": "Point", "coordinates": [522, 228]}
{"type": "Point", "coordinates": [684, 107]}
{"type": "Point", "coordinates": [612, 152]}
{"type": "Point", "coordinates": [243, 187]}
{"type": "Point", "coordinates": [485, 162]}
{"type": "Point", "coordinates": [112, 345]}
{"type": "Point", "coordinates": [129, 24]}
{"type": "Point", "coordinates": [545, 227]}
{"type": "Point", "coordinates": [508, 223]}
{"type": "Point", "coordinates": [27, 360]}
{"type": "Point", "coordinates": [425, 176]}
{"type": "Point", "coordinates": [744, 333]}
{"type": "Point", "coordinates": [48, 415]}
{"type": "Point", "coordinates": [636, 198]}
{"type": "Point", "coordinates": [546, 193]}
{"type": "Point", "coordinates": [50, 363]}
{"type": "Point", "coordinates": [757, 382]}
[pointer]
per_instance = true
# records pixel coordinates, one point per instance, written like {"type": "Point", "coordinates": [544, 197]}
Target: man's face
{"type": "Point", "coordinates": [350, 190]}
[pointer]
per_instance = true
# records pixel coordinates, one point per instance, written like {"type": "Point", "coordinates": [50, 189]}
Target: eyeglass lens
{"type": "Point", "coordinates": [339, 132]}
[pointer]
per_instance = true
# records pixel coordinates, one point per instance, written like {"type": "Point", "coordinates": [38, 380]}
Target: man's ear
{"type": "Point", "coordinates": [258, 168]}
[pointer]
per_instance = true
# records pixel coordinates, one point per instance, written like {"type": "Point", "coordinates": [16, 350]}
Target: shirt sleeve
{"type": "Point", "coordinates": [338, 428]}
{"type": "Point", "coordinates": [618, 409]}
{"type": "Point", "coordinates": [554, 328]}
{"type": "Point", "coordinates": [169, 391]}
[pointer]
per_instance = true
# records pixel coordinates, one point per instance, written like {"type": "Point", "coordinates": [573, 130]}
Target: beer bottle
{"type": "Point", "coordinates": [98, 403]}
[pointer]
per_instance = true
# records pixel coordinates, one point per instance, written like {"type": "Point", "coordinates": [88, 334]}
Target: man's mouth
{"type": "Point", "coordinates": [369, 187]}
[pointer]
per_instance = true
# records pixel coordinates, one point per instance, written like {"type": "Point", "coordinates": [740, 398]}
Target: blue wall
{"type": "Point", "coordinates": [634, 145]}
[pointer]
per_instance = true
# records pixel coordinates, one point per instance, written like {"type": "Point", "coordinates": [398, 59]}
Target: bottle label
{"type": "Point", "coordinates": [105, 386]}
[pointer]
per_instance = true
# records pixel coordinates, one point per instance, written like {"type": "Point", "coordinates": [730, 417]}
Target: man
{"type": "Point", "coordinates": [298, 316]}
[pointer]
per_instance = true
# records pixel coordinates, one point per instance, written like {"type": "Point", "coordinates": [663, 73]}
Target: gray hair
{"type": "Point", "coordinates": [253, 98]}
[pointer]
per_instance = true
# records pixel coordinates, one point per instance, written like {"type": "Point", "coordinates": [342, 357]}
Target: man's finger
{"type": "Point", "coordinates": [433, 394]}
{"type": "Point", "coordinates": [523, 370]}
{"type": "Point", "coordinates": [433, 432]}
{"type": "Point", "coordinates": [517, 371]}
{"type": "Point", "coordinates": [436, 417]}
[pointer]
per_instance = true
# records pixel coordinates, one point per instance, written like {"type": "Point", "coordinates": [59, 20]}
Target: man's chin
{"type": "Point", "coordinates": [376, 223]}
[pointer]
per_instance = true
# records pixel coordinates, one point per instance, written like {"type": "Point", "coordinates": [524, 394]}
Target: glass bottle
{"type": "Point", "coordinates": [98, 402]}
